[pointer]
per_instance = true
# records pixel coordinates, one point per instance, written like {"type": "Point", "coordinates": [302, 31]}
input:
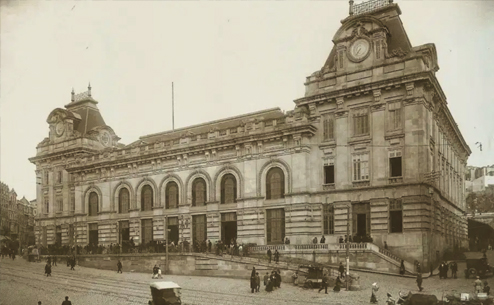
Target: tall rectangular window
{"type": "Point", "coordinates": [361, 122]}
{"type": "Point", "coordinates": [360, 167]}
{"type": "Point", "coordinates": [328, 174]}
{"type": "Point", "coordinates": [47, 205]}
{"type": "Point", "coordinates": [275, 222]}
{"type": "Point", "coordinates": [328, 219]}
{"type": "Point", "coordinates": [59, 177]}
{"type": "Point", "coordinates": [395, 168]}
{"type": "Point", "coordinates": [328, 124]}
{"type": "Point", "coordinates": [394, 116]}
{"type": "Point", "coordinates": [72, 200]}
{"type": "Point", "coordinates": [199, 228]}
{"type": "Point", "coordinates": [46, 179]}
{"type": "Point", "coordinates": [59, 202]}
{"type": "Point", "coordinates": [395, 216]}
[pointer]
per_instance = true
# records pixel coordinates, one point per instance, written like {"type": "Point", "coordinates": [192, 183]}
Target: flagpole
{"type": "Point", "coordinates": [173, 111]}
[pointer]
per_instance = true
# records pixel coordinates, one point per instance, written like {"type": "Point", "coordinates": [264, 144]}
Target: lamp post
{"type": "Point", "coordinates": [184, 224]}
{"type": "Point", "coordinates": [431, 193]}
{"type": "Point", "coordinates": [347, 245]}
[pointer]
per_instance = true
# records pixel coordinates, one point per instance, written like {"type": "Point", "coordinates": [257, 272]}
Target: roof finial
{"type": "Point", "coordinates": [351, 7]}
{"type": "Point", "coordinates": [72, 95]}
{"type": "Point", "coordinates": [89, 89]}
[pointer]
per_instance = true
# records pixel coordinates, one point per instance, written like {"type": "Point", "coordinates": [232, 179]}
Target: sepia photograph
{"type": "Point", "coordinates": [246, 152]}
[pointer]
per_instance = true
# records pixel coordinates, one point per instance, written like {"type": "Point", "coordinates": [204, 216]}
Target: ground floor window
{"type": "Point", "coordinates": [328, 219]}
{"type": "Point", "coordinates": [275, 226]}
{"type": "Point", "coordinates": [93, 234]}
{"type": "Point", "coordinates": [147, 231]}
{"type": "Point", "coordinates": [173, 234]}
{"type": "Point", "coordinates": [395, 216]}
{"type": "Point", "coordinates": [199, 229]}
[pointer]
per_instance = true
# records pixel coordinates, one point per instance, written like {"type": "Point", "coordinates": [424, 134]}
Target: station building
{"type": "Point", "coordinates": [371, 147]}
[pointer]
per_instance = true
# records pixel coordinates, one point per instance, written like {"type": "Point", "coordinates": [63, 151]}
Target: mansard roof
{"type": "Point", "coordinates": [231, 122]}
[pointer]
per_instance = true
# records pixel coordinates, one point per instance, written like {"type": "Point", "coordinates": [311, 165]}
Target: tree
{"type": "Point", "coordinates": [480, 202]}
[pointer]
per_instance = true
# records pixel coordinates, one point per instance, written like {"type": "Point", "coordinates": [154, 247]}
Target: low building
{"type": "Point", "coordinates": [371, 149]}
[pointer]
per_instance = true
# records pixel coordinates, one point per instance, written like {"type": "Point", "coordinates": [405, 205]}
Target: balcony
{"type": "Point", "coordinates": [328, 186]}
{"type": "Point", "coordinates": [395, 180]}
{"type": "Point", "coordinates": [361, 183]}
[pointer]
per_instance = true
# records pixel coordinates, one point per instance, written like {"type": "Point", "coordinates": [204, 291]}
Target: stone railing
{"type": "Point", "coordinates": [266, 248]}
{"type": "Point", "coordinates": [309, 246]}
{"type": "Point", "coordinates": [354, 246]}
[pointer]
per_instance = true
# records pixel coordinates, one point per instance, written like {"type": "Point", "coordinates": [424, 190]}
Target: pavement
{"type": "Point", "coordinates": [22, 282]}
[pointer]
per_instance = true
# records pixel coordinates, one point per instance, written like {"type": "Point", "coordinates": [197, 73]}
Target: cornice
{"type": "Point", "coordinates": [306, 129]}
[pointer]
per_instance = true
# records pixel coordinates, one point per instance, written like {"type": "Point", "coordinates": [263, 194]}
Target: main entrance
{"type": "Point", "coordinates": [275, 226]}
{"type": "Point", "coordinates": [228, 227]}
{"type": "Point", "coordinates": [58, 240]}
{"type": "Point", "coordinates": [361, 219]}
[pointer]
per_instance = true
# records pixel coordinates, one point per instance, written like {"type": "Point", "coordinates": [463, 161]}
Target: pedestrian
{"type": "Point", "coordinates": [314, 241]}
{"type": "Point", "coordinates": [419, 281]}
{"type": "Point", "coordinates": [341, 240]}
{"type": "Point", "coordinates": [402, 267]}
{"type": "Point", "coordinates": [253, 283]}
{"type": "Point", "coordinates": [478, 285]}
{"type": "Point", "coordinates": [373, 298]}
{"type": "Point", "coordinates": [385, 246]}
{"type": "Point", "coordinates": [278, 278]}
{"type": "Point", "coordinates": [66, 302]}
{"type": "Point", "coordinates": [269, 256]}
{"type": "Point", "coordinates": [269, 283]}
{"type": "Point", "coordinates": [155, 272]}
{"type": "Point", "coordinates": [390, 300]}
{"type": "Point", "coordinates": [276, 256]}
{"type": "Point", "coordinates": [341, 269]}
{"type": "Point", "coordinates": [487, 289]}
{"type": "Point", "coordinates": [337, 285]}
{"type": "Point", "coordinates": [241, 251]}
{"type": "Point", "coordinates": [72, 263]}
{"type": "Point", "coordinates": [323, 240]}
{"type": "Point", "coordinates": [39, 302]}
{"type": "Point", "coordinates": [258, 282]}
{"type": "Point", "coordinates": [445, 272]}
{"type": "Point", "coordinates": [287, 241]}
{"type": "Point", "coordinates": [119, 266]}
{"type": "Point", "coordinates": [295, 277]}
{"type": "Point", "coordinates": [454, 269]}
{"type": "Point", "coordinates": [48, 269]}
{"type": "Point", "coordinates": [324, 284]}
{"type": "Point", "coordinates": [266, 278]}
{"type": "Point", "coordinates": [49, 260]}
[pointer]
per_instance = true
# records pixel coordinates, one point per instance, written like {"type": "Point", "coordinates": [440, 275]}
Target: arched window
{"type": "Point", "coordinates": [147, 198]}
{"type": "Point", "coordinates": [275, 184]}
{"type": "Point", "coordinates": [93, 204]}
{"type": "Point", "coordinates": [123, 201]}
{"type": "Point", "coordinates": [171, 193]}
{"type": "Point", "coordinates": [228, 189]}
{"type": "Point", "coordinates": [198, 192]}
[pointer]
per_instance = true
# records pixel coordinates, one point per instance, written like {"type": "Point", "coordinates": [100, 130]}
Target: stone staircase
{"type": "Point", "coordinates": [371, 256]}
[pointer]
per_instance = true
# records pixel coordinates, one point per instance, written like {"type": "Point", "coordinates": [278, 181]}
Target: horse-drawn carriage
{"type": "Point", "coordinates": [313, 276]}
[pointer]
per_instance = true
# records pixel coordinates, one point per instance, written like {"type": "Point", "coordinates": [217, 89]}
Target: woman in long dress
{"type": "Point", "coordinates": [337, 285]}
{"type": "Point", "coordinates": [375, 288]}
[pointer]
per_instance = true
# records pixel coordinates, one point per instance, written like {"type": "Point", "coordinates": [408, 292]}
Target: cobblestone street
{"type": "Point", "coordinates": [24, 283]}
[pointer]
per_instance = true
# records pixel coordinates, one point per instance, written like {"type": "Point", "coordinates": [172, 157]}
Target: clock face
{"type": "Point", "coordinates": [59, 128]}
{"type": "Point", "coordinates": [105, 138]}
{"type": "Point", "coordinates": [360, 49]}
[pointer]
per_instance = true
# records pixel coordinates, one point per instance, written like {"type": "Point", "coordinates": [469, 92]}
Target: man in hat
{"type": "Point", "coordinates": [66, 302]}
{"type": "Point", "coordinates": [479, 286]}
{"type": "Point", "coordinates": [341, 269]}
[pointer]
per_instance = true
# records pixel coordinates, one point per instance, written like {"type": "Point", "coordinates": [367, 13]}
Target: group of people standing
{"type": "Point", "coordinates": [444, 267]}
{"type": "Point", "coordinates": [52, 261]}
{"type": "Point", "coordinates": [271, 281]}
{"type": "Point", "coordinates": [276, 256]}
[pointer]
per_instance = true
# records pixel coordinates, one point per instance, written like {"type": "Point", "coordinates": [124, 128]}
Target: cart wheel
{"type": "Point", "coordinates": [309, 284]}
{"type": "Point", "coordinates": [472, 272]}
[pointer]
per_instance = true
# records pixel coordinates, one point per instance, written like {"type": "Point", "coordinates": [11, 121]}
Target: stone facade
{"type": "Point", "coordinates": [372, 144]}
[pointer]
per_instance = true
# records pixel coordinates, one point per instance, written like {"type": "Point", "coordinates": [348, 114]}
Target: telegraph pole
{"type": "Point", "coordinates": [173, 110]}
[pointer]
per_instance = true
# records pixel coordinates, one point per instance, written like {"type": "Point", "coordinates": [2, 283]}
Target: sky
{"type": "Point", "coordinates": [225, 58]}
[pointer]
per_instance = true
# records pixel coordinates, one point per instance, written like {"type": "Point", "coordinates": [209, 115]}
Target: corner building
{"type": "Point", "coordinates": [372, 144]}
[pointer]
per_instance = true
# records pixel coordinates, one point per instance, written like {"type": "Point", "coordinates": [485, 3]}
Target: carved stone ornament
{"type": "Point", "coordinates": [410, 87]}
{"type": "Point", "coordinates": [377, 95]}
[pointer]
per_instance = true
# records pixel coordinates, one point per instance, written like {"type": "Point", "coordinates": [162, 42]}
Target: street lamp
{"type": "Point", "coordinates": [347, 245]}
{"type": "Point", "coordinates": [184, 224]}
